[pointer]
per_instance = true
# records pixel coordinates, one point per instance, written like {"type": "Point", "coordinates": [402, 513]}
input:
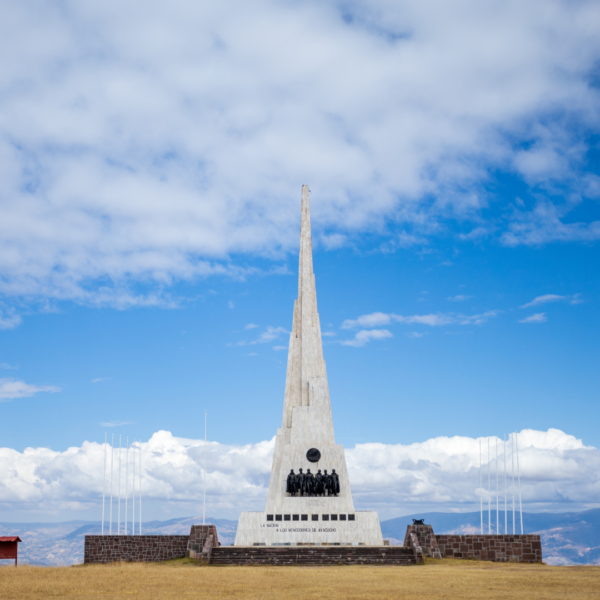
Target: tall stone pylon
{"type": "Point", "coordinates": [306, 439]}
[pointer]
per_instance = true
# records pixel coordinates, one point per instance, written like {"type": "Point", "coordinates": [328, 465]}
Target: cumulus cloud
{"type": "Point", "coordinates": [545, 299]}
{"type": "Point", "coordinates": [537, 318]}
{"type": "Point", "coordinates": [268, 335]}
{"type": "Point", "coordinates": [459, 298]}
{"type": "Point", "coordinates": [431, 320]}
{"type": "Point", "coordinates": [366, 335]}
{"type": "Point", "coordinates": [557, 470]}
{"type": "Point", "coordinates": [13, 388]}
{"type": "Point", "coordinates": [148, 142]}
{"type": "Point", "coordinates": [9, 319]}
{"type": "Point", "coordinates": [371, 320]}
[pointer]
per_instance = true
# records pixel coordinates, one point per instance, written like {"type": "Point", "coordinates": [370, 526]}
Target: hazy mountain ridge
{"type": "Point", "coordinates": [567, 538]}
{"type": "Point", "coordinates": [60, 544]}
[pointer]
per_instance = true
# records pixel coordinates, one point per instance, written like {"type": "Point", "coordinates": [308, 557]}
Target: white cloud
{"type": "Point", "coordinates": [537, 318]}
{"type": "Point", "coordinates": [432, 320]}
{"type": "Point", "coordinates": [147, 141]}
{"type": "Point", "coordinates": [372, 320]}
{"type": "Point", "coordinates": [366, 335]}
{"type": "Point", "coordinates": [544, 224]}
{"type": "Point", "coordinates": [8, 367]}
{"type": "Point", "coordinates": [116, 423]}
{"type": "Point", "coordinates": [278, 348]}
{"type": "Point", "coordinates": [272, 333]}
{"type": "Point", "coordinates": [459, 298]}
{"type": "Point", "coordinates": [13, 388]}
{"type": "Point", "coordinates": [545, 299]}
{"type": "Point", "coordinates": [9, 319]}
{"type": "Point", "coordinates": [251, 326]}
{"type": "Point", "coordinates": [100, 379]}
{"type": "Point", "coordinates": [557, 471]}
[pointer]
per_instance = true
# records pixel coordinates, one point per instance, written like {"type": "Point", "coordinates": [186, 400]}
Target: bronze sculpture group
{"type": "Point", "coordinates": [307, 484]}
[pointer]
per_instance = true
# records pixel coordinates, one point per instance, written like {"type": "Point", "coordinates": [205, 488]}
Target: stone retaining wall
{"type": "Point", "coordinates": [134, 548]}
{"type": "Point", "coordinates": [496, 548]}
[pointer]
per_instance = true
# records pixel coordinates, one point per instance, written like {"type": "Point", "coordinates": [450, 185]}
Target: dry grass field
{"type": "Point", "coordinates": [183, 579]}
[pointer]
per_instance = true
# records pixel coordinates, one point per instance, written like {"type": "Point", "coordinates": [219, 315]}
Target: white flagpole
{"type": "Point", "coordinates": [505, 505]}
{"type": "Point", "coordinates": [489, 492]}
{"type": "Point", "coordinates": [140, 528]}
{"type": "Point", "coordinates": [119, 501]}
{"type": "Point", "coordinates": [126, 483]}
{"type": "Point", "coordinates": [104, 482]}
{"type": "Point", "coordinates": [512, 456]}
{"type": "Point", "coordinates": [133, 488]}
{"type": "Point", "coordinates": [204, 501]}
{"type": "Point", "coordinates": [497, 493]}
{"type": "Point", "coordinates": [480, 489]}
{"type": "Point", "coordinates": [112, 456]}
{"type": "Point", "coordinates": [519, 475]}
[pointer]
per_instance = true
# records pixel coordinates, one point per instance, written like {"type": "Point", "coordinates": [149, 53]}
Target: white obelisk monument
{"type": "Point", "coordinates": [307, 426]}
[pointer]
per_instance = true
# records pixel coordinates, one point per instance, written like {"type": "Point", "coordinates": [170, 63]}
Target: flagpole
{"type": "Point", "coordinates": [126, 484]}
{"type": "Point", "coordinates": [480, 489]}
{"type": "Point", "coordinates": [512, 456]}
{"type": "Point", "coordinates": [497, 493]}
{"type": "Point", "coordinates": [104, 482]}
{"type": "Point", "coordinates": [112, 457]}
{"type": "Point", "coordinates": [489, 492]}
{"type": "Point", "coordinates": [140, 487]}
{"type": "Point", "coordinates": [133, 488]}
{"type": "Point", "coordinates": [505, 505]}
{"type": "Point", "coordinates": [519, 475]}
{"type": "Point", "coordinates": [119, 501]}
{"type": "Point", "coordinates": [204, 501]}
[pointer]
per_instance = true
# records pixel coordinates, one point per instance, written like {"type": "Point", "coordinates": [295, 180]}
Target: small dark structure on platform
{"type": "Point", "coordinates": [9, 547]}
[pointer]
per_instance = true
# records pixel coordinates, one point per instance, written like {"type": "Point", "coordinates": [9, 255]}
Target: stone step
{"type": "Point", "coordinates": [272, 555]}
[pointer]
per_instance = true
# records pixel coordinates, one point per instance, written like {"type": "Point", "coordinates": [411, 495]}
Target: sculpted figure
{"type": "Point", "coordinates": [327, 482]}
{"type": "Point", "coordinates": [300, 481]}
{"type": "Point", "coordinates": [290, 487]}
{"type": "Point", "coordinates": [309, 482]}
{"type": "Point", "coordinates": [335, 483]}
{"type": "Point", "coordinates": [319, 483]}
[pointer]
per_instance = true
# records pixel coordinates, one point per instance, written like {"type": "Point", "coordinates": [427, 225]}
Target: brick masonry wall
{"type": "Point", "coordinates": [496, 548]}
{"type": "Point", "coordinates": [134, 548]}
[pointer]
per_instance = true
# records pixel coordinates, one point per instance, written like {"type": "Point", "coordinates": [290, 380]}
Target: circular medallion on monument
{"type": "Point", "coordinates": [313, 455]}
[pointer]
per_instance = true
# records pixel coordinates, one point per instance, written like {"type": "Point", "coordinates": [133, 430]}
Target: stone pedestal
{"type": "Point", "coordinates": [356, 529]}
{"type": "Point", "coordinates": [426, 539]}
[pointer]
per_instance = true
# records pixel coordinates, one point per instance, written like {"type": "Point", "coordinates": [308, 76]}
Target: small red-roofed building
{"type": "Point", "coordinates": [9, 547]}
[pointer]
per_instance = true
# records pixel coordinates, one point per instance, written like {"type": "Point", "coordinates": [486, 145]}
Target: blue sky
{"type": "Point", "coordinates": [150, 181]}
{"type": "Point", "coordinates": [157, 368]}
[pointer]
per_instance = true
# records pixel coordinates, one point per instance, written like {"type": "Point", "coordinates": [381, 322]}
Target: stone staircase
{"type": "Point", "coordinates": [313, 555]}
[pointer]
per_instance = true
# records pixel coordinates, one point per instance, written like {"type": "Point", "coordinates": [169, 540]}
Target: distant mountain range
{"type": "Point", "coordinates": [567, 538]}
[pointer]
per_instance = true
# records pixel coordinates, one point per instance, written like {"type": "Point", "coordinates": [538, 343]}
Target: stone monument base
{"type": "Point", "coordinates": [360, 528]}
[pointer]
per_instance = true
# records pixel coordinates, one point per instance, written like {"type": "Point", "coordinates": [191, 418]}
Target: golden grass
{"type": "Point", "coordinates": [185, 579]}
